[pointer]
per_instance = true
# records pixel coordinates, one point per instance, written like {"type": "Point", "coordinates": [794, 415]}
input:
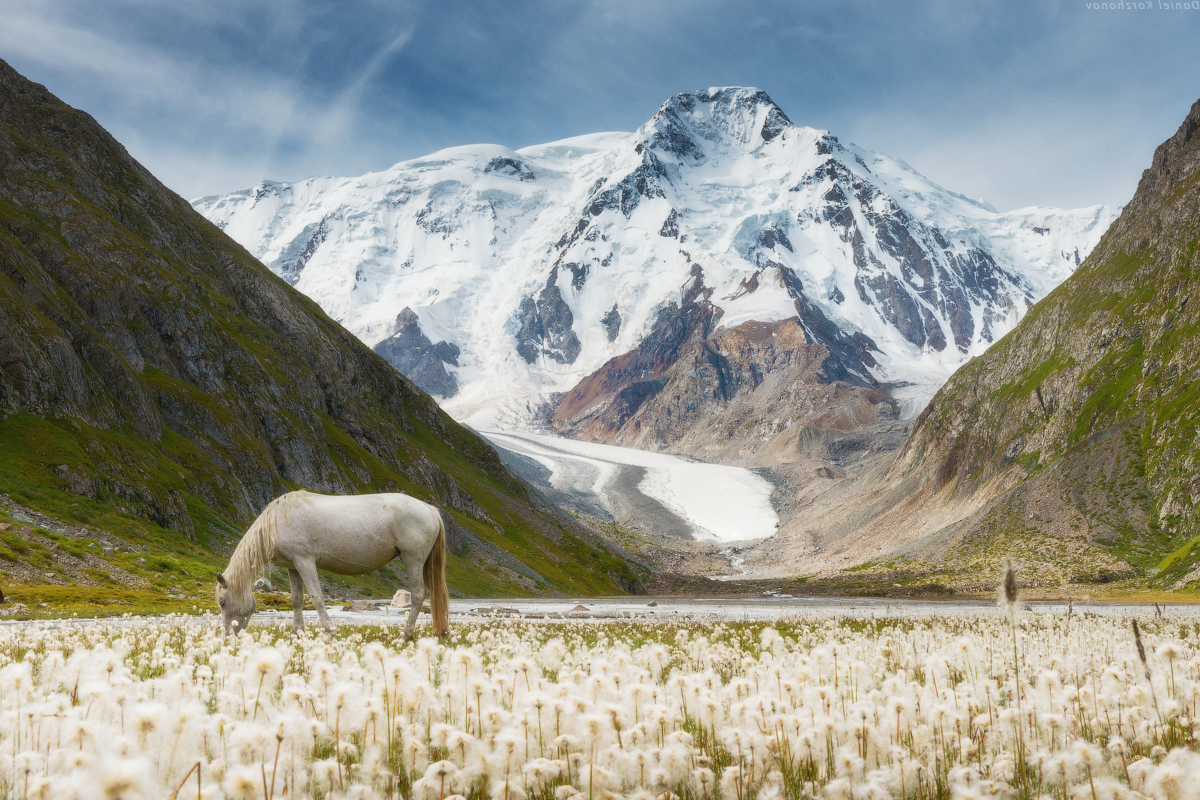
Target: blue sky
{"type": "Point", "coordinates": [1019, 103]}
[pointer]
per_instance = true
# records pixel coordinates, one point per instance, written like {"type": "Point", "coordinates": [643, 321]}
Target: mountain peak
{"type": "Point", "coordinates": [689, 124]}
{"type": "Point", "coordinates": [575, 257]}
{"type": "Point", "coordinates": [1171, 174]}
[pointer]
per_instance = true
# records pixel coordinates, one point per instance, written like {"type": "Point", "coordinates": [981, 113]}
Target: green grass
{"type": "Point", "coordinates": [31, 446]}
{"type": "Point", "coordinates": [85, 601]}
{"type": "Point", "coordinates": [1033, 379]}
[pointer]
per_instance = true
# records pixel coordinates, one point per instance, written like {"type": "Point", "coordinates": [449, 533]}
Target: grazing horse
{"type": "Point", "coordinates": [345, 534]}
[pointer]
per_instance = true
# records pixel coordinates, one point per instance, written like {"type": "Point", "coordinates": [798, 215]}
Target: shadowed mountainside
{"type": "Point", "coordinates": [157, 380]}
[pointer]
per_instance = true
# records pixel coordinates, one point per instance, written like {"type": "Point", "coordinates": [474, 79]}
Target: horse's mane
{"type": "Point", "coordinates": [254, 551]}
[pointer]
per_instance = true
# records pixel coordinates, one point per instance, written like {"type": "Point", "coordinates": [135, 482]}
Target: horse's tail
{"type": "Point", "coordinates": [435, 581]}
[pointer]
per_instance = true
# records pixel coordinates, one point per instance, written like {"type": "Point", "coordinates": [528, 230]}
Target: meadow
{"type": "Point", "coordinates": [981, 705]}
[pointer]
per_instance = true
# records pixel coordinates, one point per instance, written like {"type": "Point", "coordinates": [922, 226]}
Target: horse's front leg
{"type": "Point", "coordinates": [312, 584]}
{"type": "Point", "coordinates": [416, 593]}
{"type": "Point", "coordinates": [297, 600]}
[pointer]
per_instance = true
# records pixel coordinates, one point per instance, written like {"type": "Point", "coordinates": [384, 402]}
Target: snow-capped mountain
{"type": "Point", "coordinates": [498, 278]}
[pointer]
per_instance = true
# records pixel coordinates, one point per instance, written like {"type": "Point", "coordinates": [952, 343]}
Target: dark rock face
{"type": "Point", "coordinates": [510, 167]}
{"type": "Point", "coordinates": [687, 119]}
{"type": "Point", "coordinates": [611, 322]}
{"type": "Point", "coordinates": [849, 356]}
{"type": "Point", "coordinates": [670, 226]}
{"type": "Point", "coordinates": [291, 262]}
{"type": "Point", "coordinates": [634, 375]}
{"type": "Point", "coordinates": [645, 181]}
{"type": "Point", "coordinates": [771, 237]}
{"type": "Point", "coordinates": [624, 196]}
{"type": "Point", "coordinates": [671, 133]}
{"type": "Point", "coordinates": [410, 351]}
{"type": "Point", "coordinates": [546, 326]}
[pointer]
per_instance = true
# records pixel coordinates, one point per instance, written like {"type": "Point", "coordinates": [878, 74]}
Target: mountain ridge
{"type": "Point", "coordinates": [157, 379]}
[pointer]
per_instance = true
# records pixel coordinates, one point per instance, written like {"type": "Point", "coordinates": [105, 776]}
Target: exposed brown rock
{"type": "Point", "coordinates": [753, 394]}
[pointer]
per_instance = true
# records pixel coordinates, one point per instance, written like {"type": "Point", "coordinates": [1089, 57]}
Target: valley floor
{"type": "Point", "coordinates": [707, 609]}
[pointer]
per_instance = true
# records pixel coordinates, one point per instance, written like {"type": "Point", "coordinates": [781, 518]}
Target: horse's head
{"type": "Point", "coordinates": [235, 611]}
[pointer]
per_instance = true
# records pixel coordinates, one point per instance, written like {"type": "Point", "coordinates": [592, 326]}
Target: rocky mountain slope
{"type": "Point", "coordinates": [758, 394]}
{"type": "Point", "coordinates": [1069, 445]}
{"type": "Point", "coordinates": [502, 279]}
{"type": "Point", "coordinates": [157, 381]}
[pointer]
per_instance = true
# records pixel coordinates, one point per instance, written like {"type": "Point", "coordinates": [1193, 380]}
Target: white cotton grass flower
{"type": "Point", "coordinates": [267, 662]}
{"type": "Point", "coordinates": [242, 783]}
{"type": "Point", "coordinates": [441, 778]}
{"type": "Point", "coordinates": [42, 787]}
{"type": "Point", "coordinates": [326, 774]}
{"type": "Point", "coordinates": [806, 707]}
{"type": "Point", "coordinates": [1177, 777]}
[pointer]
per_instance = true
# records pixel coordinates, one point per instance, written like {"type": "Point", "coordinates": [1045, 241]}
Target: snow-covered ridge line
{"type": "Point", "coordinates": [527, 270]}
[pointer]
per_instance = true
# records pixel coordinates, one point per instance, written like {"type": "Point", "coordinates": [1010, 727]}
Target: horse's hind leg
{"type": "Point", "coordinates": [297, 600]}
{"type": "Point", "coordinates": [308, 571]}
{"type": "Point", "coordinates": [416, 591]}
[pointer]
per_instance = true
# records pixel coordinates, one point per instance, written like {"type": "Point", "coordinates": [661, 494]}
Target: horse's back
{"type": "Point", "coordinates": [362, 528]}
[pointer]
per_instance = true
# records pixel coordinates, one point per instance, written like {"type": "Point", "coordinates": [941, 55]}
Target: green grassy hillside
{"type": "Point", "coordinates": [1083, 423]}
{"type": "Point", "coordinates": [158, 386]}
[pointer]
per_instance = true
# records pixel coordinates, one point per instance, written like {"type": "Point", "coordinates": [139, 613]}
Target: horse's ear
{"type": "Point", "coordinates": [221, 580]}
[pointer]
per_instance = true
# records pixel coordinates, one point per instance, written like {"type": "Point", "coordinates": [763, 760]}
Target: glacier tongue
{"type": "Point", "coordinates": [524, 271]}
{"type": "Point", "coordinates": [718, 503]}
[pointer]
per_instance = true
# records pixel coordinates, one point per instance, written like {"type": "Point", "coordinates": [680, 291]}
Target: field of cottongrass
{"type": "Point", "coordinates": [814, 707]}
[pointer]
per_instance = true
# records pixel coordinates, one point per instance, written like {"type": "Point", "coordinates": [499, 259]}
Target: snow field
{"type": "Point", "coordinates": [916, 706]}
{"type": "Point", "coordinates": [722, 504]}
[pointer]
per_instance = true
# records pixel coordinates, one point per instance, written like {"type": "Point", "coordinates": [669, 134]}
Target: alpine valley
{"type": "Point", "coordinates": [722, 284]}
{"type": "Point", "coordinates": [158, 387]}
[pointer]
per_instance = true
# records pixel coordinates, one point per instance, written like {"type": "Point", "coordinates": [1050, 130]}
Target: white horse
{"type": "Point", "coordinates": [348, 535]}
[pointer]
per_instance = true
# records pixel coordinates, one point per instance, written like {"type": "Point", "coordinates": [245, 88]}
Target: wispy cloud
{"type": "Point", "coordinates": [340, 115]}
{"type": "Point", "coordinates": [1022, 103]}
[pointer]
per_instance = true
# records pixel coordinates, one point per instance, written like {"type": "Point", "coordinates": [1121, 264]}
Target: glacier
{"type": "Point", "coordinates": [718, 503]}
